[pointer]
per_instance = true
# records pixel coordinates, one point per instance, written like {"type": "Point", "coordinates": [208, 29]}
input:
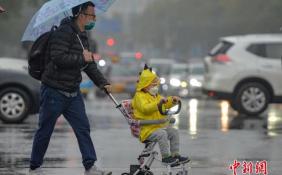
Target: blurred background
{"type": "Point", "coordinates": [179, 29]}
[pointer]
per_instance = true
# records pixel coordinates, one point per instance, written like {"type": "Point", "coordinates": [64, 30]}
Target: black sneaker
{"type": "Point", "coordinates": [169, 160]}
{"type": "Point", "coordinates": [182, 160]}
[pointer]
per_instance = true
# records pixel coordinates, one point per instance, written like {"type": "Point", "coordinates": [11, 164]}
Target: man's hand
{"type": "Point", "coordinates": [96, 56]}
{"type": "Point", "coordinates": [108, 88]}
{"type": "Point", "coordinates": [87, 56]}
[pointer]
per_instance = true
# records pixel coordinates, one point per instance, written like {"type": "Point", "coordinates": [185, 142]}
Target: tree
{"type": "Point", "coordinates": [13, 23]}
{"type": "Point", "coordinates": [188, 25]}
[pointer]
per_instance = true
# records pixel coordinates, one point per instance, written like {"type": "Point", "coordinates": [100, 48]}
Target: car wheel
{"type": "Point", "coordinates": [14, 105]}
{"type": "Point", "coordinates": [252, 99]}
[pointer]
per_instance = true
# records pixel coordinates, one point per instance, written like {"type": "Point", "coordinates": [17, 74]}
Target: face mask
{"type": "Point", "coordinates": [154, 90]}
{"type": "Point", "coordinates": [90, 25]}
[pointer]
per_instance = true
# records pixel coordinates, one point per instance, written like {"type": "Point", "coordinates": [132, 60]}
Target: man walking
{"type": "Point", "coordinates": [60, 94]}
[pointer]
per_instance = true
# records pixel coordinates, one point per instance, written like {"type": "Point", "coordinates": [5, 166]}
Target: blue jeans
{"type": "Point", "coordinates": [52, 105]}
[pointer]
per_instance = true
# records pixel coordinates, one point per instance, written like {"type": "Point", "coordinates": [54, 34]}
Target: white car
{"type": "Point", "coordinates": [246, 70]}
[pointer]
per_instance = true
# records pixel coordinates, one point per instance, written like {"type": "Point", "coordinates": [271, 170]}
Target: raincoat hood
{"type": "Point", "coordinates": [145, 79]}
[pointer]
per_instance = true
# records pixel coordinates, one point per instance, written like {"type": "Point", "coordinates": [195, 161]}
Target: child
{"type": "Point", "coordinates": [145, 107]}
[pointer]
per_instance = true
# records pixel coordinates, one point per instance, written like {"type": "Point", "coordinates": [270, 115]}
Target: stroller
{"type": "Point", "coordinates": [148, 155]}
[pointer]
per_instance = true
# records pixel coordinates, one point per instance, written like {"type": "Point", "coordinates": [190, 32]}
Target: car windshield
{"type": "Point", "coordinates": [161, 69]}
{"type": "Point", "coordinates": [221, 48]}
{"type": "Point", "coordinates": [179, 70]}
{"type": "Point", "coordinates": [197, 70]}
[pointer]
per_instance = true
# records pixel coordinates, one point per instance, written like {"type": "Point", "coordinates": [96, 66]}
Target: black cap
{"type": "Point", "coordinates": [77, 9]}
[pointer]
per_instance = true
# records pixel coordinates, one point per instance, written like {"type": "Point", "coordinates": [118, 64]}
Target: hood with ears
{"type": "Point", "coordinates": [146, 78]}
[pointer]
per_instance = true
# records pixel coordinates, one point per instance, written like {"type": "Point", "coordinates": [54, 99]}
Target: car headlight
{"type": "Point", "coordinates": [184, 84]}
{"type": "Point", "coordinates": [175, 82]}
{"type": "Point", "coordinates": [162, 80]}
{"type": "Point", "coordinates": [195, 83]}
{"type": "Point", "coordinates": [102, 63]}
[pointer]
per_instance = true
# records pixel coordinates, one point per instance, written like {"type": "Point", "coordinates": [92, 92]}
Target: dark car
{"type": "Point", "coordinates": [19, 93]}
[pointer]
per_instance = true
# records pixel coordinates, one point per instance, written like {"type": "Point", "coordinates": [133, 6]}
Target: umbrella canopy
{"type": "Point", "coordinates": [52, 12]}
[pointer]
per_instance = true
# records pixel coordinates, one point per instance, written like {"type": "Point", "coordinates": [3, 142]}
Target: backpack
{"type": "Point", "coordinates": [37, 57]}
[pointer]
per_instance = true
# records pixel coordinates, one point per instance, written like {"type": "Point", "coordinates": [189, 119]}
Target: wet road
{"type": "Point", "coordinates": [212, 134]}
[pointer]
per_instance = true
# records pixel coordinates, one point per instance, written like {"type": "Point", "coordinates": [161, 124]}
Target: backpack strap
{"type": "Point", "coordinates": [53, 29]}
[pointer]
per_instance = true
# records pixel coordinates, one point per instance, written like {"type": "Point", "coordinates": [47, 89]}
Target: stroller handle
{"type": "Point", "coordinates": [112, 98]}
{"type": "Point", "coordinates": [167, 111]}
{"type": "Point", "coordinates": [144, 122]}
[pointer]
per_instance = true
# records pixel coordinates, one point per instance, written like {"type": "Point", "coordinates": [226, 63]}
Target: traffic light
{"type": "Point", "coordinates": [111, 42]}
{"type": "Point", "coordinates": [138, 55]}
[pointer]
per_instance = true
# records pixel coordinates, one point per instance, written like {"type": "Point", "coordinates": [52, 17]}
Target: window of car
{"type": "Point", "coordinates": [179, 70]}
{"type": "Point", "coordinates": [266, 50]}
{"type": "Point", "coordinates": [274, 50]}
{"type": "Point", "coordinates": [221, 48]}
{"type": "Point", "coordinates": [198, 70]}
{"type": "Point", "coordinates": [161, 69]}
{"type": "Point", "coordinates": [257, 49]}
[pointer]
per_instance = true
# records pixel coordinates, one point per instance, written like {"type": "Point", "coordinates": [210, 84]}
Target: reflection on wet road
{"type": "Point", "coordinates": [211, 133]}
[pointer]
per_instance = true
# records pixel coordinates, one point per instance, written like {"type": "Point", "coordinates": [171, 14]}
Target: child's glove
{"type": "Point", "coordinates": [161, 104]}
{"type": "Point", "coordinates": [175, 99]}
{"type": "Point", "coordinates": [163, 100]}
{"type": "Point", "coordinates": [166, 103]}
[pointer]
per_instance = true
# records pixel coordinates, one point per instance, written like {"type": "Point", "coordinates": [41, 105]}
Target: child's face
{"type": "Point", "coordinates": [155, 82]}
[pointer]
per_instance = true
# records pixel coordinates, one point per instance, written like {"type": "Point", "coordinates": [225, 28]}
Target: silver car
{"type": "Point", "coordinates": [19, 93]}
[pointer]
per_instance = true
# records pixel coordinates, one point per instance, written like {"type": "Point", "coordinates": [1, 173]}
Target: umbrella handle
{"type": "Point", "coordinates": [80, 41]}
{"type": "Point", "coordinates": [82, 48]}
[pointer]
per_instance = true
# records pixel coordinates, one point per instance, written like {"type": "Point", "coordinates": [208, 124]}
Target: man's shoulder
{"type": "Point", "coordinates": [63, 32]}
{"type": "Point", "coordinates": [65, 28]}
{"type": "Point", "coordinates": [67, 25]}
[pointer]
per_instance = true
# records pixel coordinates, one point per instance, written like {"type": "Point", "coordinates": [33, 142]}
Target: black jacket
{"type": "Point", "coordinates": [63, 72]}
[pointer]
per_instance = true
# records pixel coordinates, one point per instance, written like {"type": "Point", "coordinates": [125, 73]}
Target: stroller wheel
{"type": "Point", "coordinates": [125, 174]}
{"type": "Point", "coordinates": [148, 173]}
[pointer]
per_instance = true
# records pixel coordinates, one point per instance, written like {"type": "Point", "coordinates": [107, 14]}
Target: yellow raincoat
{"type": "Point", "coordinates": [145, 106]}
